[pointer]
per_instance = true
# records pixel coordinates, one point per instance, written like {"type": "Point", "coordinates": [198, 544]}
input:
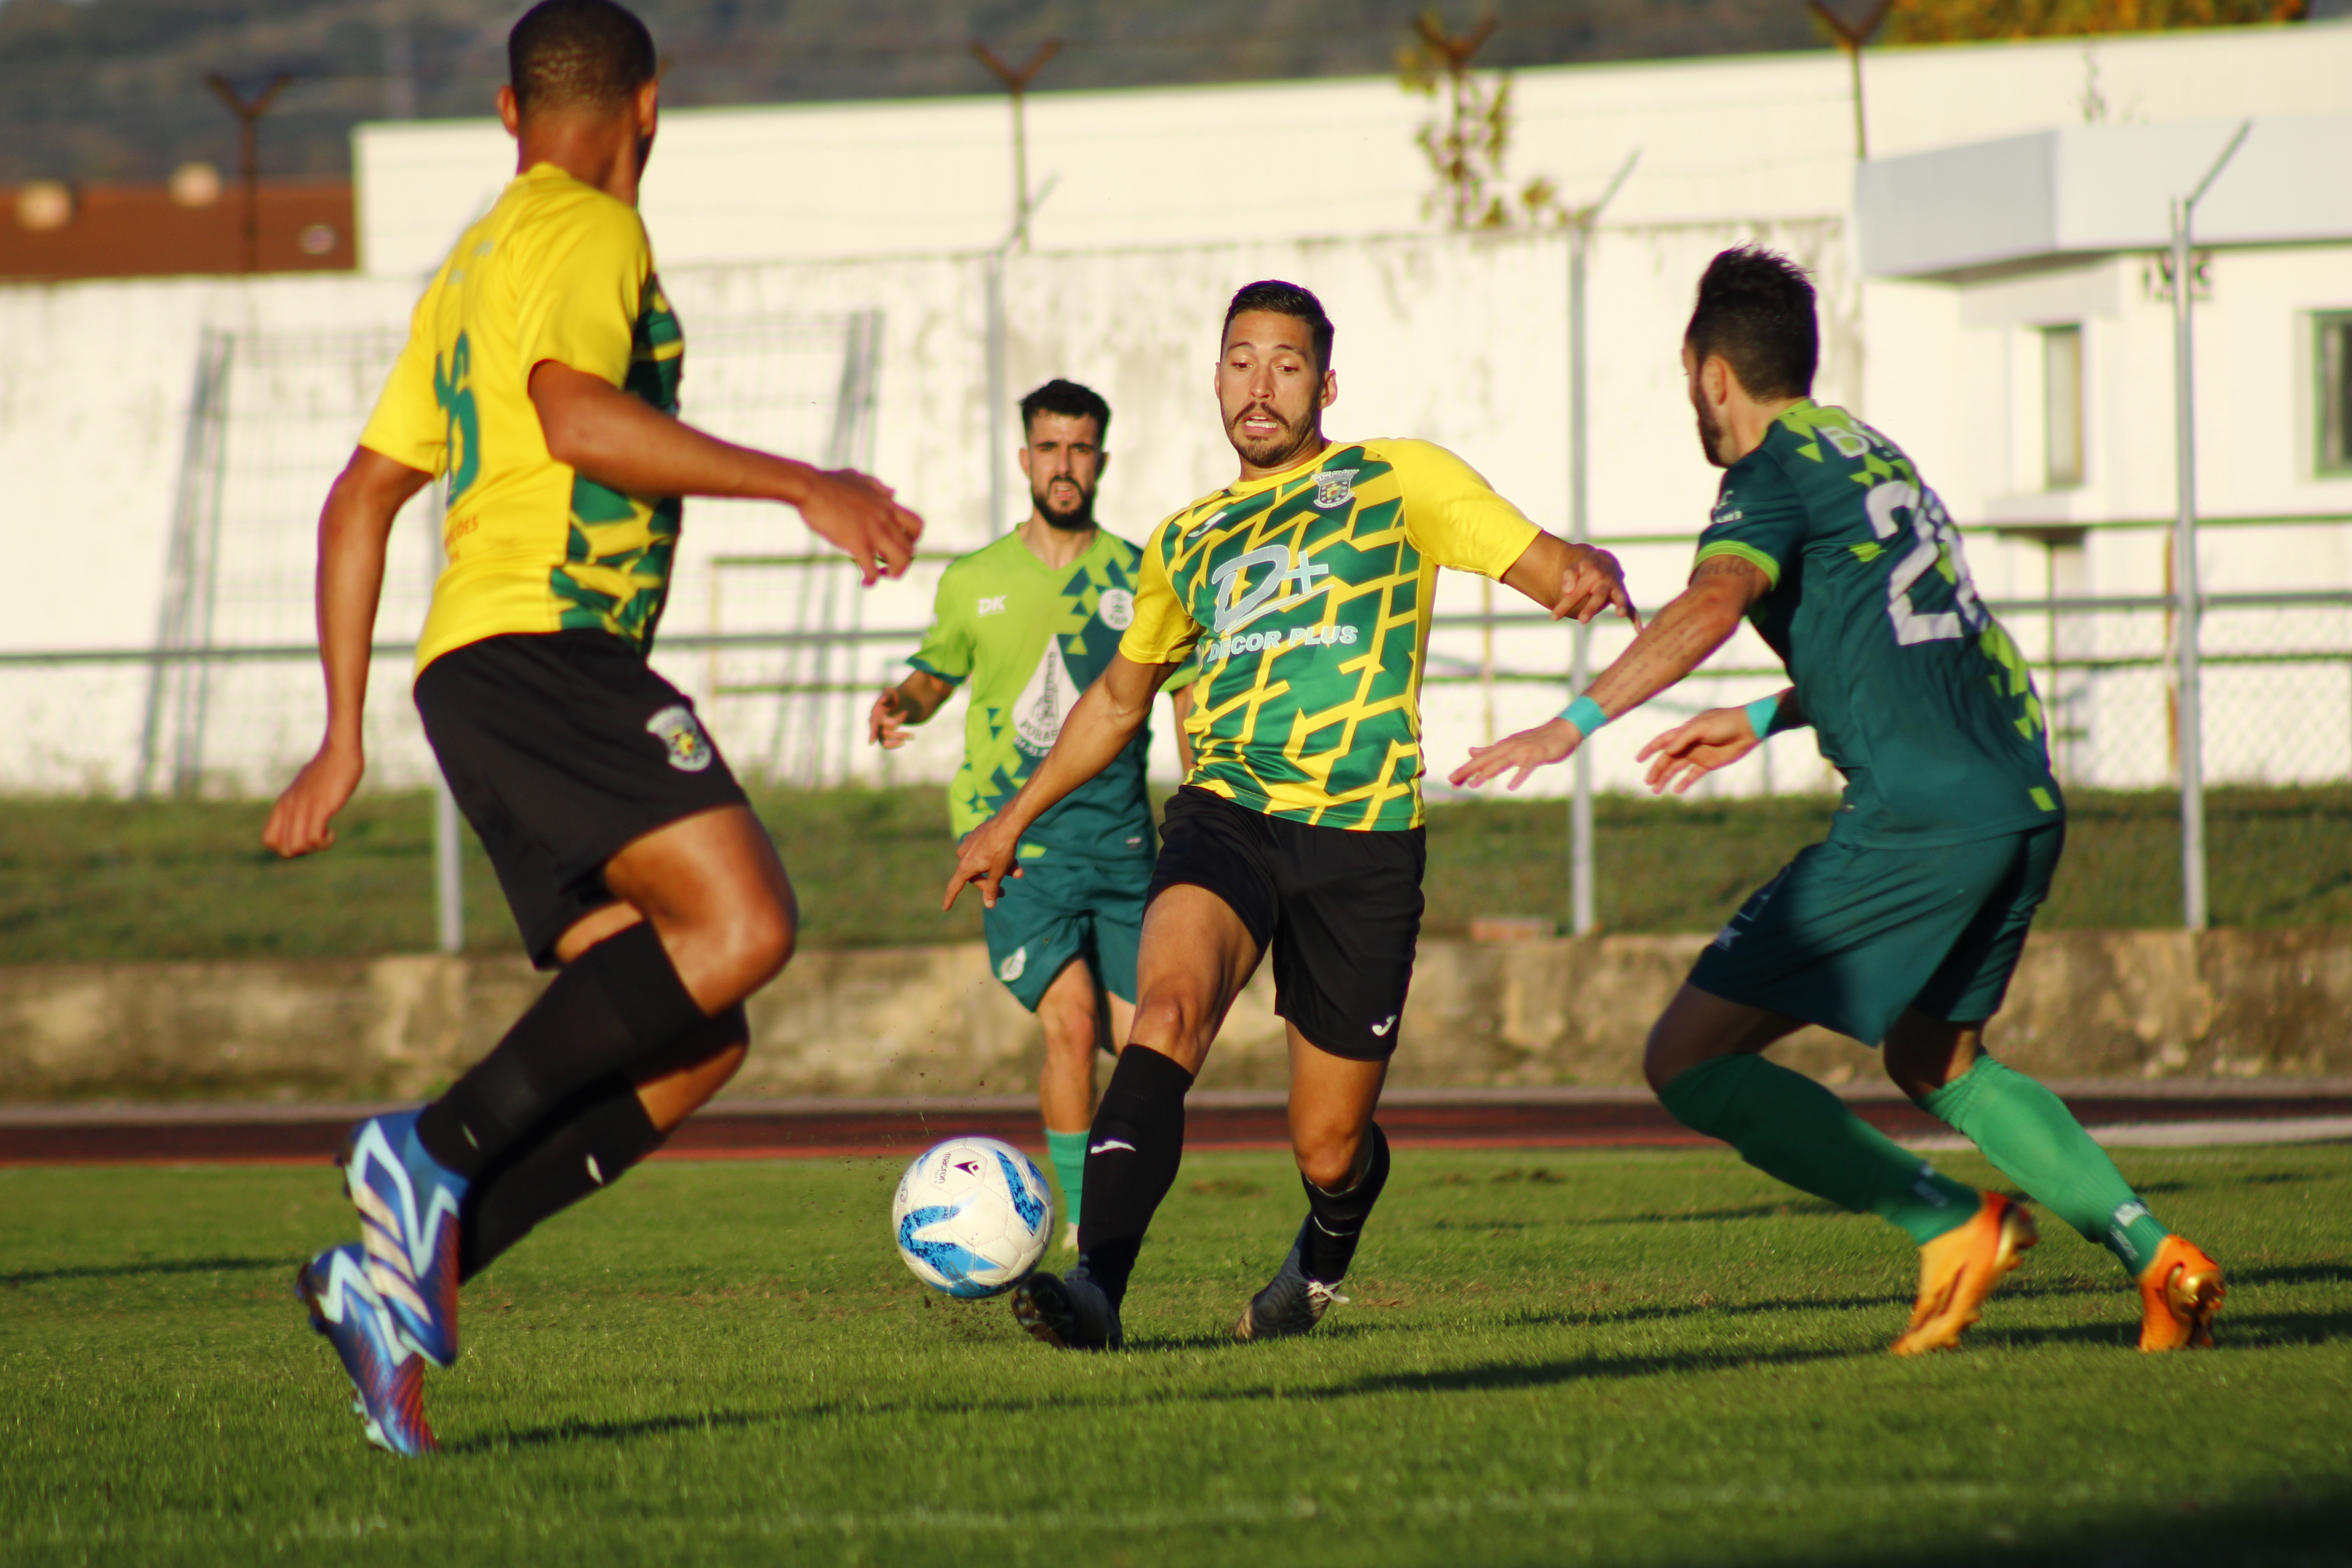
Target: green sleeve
{"type": "Point", "coordinates": [1758, 517]}
{"type": "Point", "coordinates": [946, 648]}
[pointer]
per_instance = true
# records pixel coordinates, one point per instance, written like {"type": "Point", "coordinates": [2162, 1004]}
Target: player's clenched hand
{"type": "Point", "coordinates": [303, 820]}
{"type": "Point", "coordinates": [856, 512]}
{"type": "Point", "coordinates": [1688, 753]}
{"type": "Point", "coordinates": [986, 857]}
{"type": "Point", "coordinates": [1595, 583]}
{"type": "Point", "coordinates": [886, 726]}
{"type": "Point", "coordinates": [1551, 742]}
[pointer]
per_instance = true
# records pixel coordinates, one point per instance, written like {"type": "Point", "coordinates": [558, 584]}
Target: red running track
{"type": "Point", "coordinates": [785, 1129]}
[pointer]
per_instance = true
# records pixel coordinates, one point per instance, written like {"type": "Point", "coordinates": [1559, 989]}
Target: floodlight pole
{"type": "Point", "coordinates": [1015, 80]}
{"type": "Point", "coordinates": [248, 112]}
{"type": "Point", "coordinates": [2190, 739]}
{"type": "Point", "coordinates": [1580, 225]}
{"type": "Point", "coordinates": [1851, 37]}
{"type": "Point", "coordinates": [449, 831]}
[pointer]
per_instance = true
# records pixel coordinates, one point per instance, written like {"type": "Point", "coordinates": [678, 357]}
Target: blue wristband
{"type": "Point", "coordinates": [1586, 715]}
{"type": "Point", "coordinates": [1763, 715]}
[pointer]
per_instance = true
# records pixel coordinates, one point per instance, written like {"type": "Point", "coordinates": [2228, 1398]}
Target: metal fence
{"type": "Point", "coordinates": [771, 634]}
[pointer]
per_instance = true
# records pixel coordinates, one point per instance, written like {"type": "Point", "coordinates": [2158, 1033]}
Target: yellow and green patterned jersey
{"type": "Point", "coordinates": [1915, 692]}
{"type": "Point", "coordinates": [558, 271]}
{"type": "Point", "coordinates": [1307, 595]}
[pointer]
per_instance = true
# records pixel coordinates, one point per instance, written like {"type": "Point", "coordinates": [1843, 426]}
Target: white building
{"type": "Point", "coordinates": [813, 248]}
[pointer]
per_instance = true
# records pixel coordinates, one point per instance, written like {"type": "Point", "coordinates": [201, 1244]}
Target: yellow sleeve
{"type": "Point", "coordinates": [409, 425]}
{"type": "Point", "coordinates": [579, 296]}
{"type": "Point", "coordinates": [1163, 630]}
{"type": "Point", "coordinates": [1452, 515]}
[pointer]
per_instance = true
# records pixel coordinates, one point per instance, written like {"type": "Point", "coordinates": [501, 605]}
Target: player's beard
{"type": "Point", "coordinates": [1710, 432]}
{"type": "Point", "coordinates": [1078, 520]}
{"type": "Point", "coordinates": [1272, 451]}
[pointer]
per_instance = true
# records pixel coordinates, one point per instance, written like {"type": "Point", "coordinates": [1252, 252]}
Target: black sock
{"type": "Point", "coordinates": [619, 1001]}
{"type": "Point", "coordinates": [1335, 1220]}
{"type": "Point", "coordinates": [597, 1134]}
{"type": "Point", "coordinates": [1131, 1158]}
{"type": "Point", "coordinates": [581, 1147]}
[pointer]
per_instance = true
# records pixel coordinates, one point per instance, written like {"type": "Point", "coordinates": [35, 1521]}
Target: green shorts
{"type": "Point", "coordinates": [1848, 937]}
{"type": "Point", "coordinates": [1065, 908]}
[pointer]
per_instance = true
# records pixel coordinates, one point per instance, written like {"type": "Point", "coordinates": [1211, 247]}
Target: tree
{"type": "Point", "coordinates": [1466, 138]}
{"type": "Point", "coordinates": [1954, 21]}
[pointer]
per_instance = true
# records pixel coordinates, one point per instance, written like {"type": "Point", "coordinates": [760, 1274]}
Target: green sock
{"type": "Point", "coordinates": [1788, 1126]}
{"type": "Point", "coordinates": [2027, 1132]}
{"type": "Point", "coordinates": [1068, 1152]}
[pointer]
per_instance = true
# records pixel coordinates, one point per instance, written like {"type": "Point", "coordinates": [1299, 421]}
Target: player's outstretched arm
{"type": "Point", "coordinates": [1715, 739]}
{"type": "Point", "coordinates": [352, 529]}
{"type": "Point", "coordinates": [625, 444]}
{"type": "Point", "coordinates": [1105, 719]}
{"type": "Point", "coordinates": [1571, 581]}
{"type": "Point", "coordinates": [912, 701]}
{"type": "Point", "coordinates": [1700, 620]}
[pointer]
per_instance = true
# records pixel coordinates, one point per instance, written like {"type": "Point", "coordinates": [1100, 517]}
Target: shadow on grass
{"type": "Point", "coordinates": [1487, 1377]}
{"type": "Point", "coordinates": [131, 1271]}
{"type": "Point", "coordinates": [616, 1431]}
{"type": "Point", "coordinates": [2291, 1274]}
{"type": "Point", "coordinates": [2293, 1527]}
{"type": "Point", "coordinates": [2233, 1331]}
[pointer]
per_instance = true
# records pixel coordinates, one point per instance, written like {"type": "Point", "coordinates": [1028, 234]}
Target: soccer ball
{"type": "Point", "coordinates": [973, 1216]}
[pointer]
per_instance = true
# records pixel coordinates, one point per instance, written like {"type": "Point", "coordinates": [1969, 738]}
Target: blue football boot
{"type": "Point", "coordinates": [386, 1373]}
{"type": "Point", "coordinates": [408, 1218]}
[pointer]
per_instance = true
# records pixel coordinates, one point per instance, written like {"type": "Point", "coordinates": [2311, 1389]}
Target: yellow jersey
{"type": "Point", "coordinates": [1306, 596]}
{"type": "Point", "coordinates": [558, 271]}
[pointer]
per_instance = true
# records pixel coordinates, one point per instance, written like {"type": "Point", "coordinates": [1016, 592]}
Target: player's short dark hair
{"type": "Point", "coordinates": [1287, 299]}
{"type": "Point", "coordinates": [578, 54]}
{"type": "Point", "coordinates": [1756, 310]}
{"type": "Point", "coordinates": [1070, 400]}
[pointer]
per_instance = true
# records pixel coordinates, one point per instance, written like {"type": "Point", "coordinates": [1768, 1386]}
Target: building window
{"type": "Point", "coordinates": [2333, 361]}
{"type": "Point", "coordinates": [2062, 407]}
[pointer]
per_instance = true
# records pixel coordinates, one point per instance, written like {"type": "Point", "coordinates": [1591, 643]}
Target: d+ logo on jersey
{"type": "Point", "coordinates": [689, 749]}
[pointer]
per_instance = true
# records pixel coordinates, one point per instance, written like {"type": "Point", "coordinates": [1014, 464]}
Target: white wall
{"type": "Point", "coordinates": [762, 212]}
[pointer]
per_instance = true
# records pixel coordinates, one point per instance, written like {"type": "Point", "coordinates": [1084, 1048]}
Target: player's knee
{"type": "Point", "coordinates": [759, 943]}
{"type": "Point", "coordinates": [1328, 1158]}
{"type": "Point", "coordinates": [1169, 1025]}
{"type": "Point", "coordinates": [1662, 1061]}
{"type": "Point", "coordinates": [1070, 1030]}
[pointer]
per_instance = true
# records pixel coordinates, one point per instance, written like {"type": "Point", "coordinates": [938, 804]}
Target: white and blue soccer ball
{"type": "Point", "coordinates": [973, 1216]}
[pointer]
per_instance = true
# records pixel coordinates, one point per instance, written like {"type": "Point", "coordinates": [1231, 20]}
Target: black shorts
{"type": "Point", "coordinates": [561, 750]}
{"type": "Point", "coordinates": [1339, 907]}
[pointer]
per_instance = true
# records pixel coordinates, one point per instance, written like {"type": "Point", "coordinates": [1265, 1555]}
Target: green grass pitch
{"type": "Point", "coordinates": [1549, 1357]}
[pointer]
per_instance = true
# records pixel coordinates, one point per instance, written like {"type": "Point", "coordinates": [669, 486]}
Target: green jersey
{"type": "Point", "coordinates": [1917, 695]}
{"type": "Point", "coordinates": [1032, 637]}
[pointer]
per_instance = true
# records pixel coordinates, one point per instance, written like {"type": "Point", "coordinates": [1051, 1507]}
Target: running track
{"type": "Point", "coordinates": [2179, 1111]}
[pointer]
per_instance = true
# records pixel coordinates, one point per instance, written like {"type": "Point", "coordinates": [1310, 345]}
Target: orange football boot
{"type": "Point", "coordinates": [1959, 1268]}
{"type": "Point", "coordinates": [2180, 1292]}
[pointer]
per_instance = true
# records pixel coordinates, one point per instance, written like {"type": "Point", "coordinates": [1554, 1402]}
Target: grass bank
{"type": "Point", "coordinates": [115, 881]}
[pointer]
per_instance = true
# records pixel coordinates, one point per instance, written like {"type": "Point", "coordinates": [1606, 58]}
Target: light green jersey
{"type": "Point", "coordinates": [1031, 638]}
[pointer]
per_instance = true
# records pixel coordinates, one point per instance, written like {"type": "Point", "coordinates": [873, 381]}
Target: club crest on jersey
{"type": "Point", "coordinates": [1334, 487]}
{"type": "Point", "coordinates": [1116, 608]}
{"type": "Point", "coordinates": [689, 749]}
